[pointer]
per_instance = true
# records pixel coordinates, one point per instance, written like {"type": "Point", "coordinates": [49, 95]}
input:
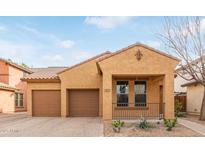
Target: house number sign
{"type": "Point", "coordinates": [107, 90]}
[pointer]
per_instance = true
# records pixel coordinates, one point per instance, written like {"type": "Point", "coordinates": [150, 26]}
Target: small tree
{"type": "Point", "coordinates": [185, 36]}
{"type": "Point", "coordinates": [10, 60]}
{"type": "Point", "coordinates": [24, 65]}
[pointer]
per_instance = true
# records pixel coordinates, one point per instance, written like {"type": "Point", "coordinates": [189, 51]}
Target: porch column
{"type": "Point", "coordinates": [29, 101]}
{"type": "Point", "coordinates": [64, 107]}
{"type": "Point", "coordinates": [107, 96]}
{"type": "Point", "coordinates": [169, 95]}
{"type": "Point", "coordinates": [131, 98]}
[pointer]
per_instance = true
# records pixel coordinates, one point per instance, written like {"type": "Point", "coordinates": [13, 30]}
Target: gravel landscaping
{"type": "Point", "coordinates": [156, 130]}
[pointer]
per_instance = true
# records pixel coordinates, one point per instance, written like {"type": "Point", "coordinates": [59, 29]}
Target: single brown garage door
{"type": "Point", "coordinates": [83, 103]}
{"type": "Point", "coordinates": [46, 103]}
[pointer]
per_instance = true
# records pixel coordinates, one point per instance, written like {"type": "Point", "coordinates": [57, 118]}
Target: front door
{"type": "Point", "coordinates": [161, 100]}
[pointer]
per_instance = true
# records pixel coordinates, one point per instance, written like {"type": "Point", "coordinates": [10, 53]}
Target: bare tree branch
{"type": "Point", "coordinates": [185, 37]}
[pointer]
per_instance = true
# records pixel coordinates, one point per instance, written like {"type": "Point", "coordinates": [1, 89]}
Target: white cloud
{"type": "Point", "coordinates": [193, 27]}
{"type": "Point", "coordinates": [53, 60]}
{"type": "Point", "coordinates": [29, 52]}
{"type": "Point", "coordinates": [154, 44]}
{"type": "Point", "coordinates": [66, 44]}
{"type": "Point", "coordinates": [13, 49]}
{"type": "Point", "coordinates": [56, 57]}
{"type": "Point", "coordinates": [57, 41]}
{"type": "Point", "coordinates": [81, 55]}
{"type": "Point", "coordinates": [203, 24]}
{"type": "Point", "coordinates": [39, 33]}
{"type": "Point", "coordinates": [3, 29]}
{"type": "Point", "coordinates": [31, 55]}
{"type": "Point", "coordinates": [107, 22]}
{"type": "Point", "coordinates": [17, 52]}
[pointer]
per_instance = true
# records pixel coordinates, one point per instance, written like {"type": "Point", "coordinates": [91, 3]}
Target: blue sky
{"type": "Point", "coordinates": [64, 41]}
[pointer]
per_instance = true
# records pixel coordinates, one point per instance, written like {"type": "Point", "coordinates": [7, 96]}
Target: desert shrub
{"type": "Point", "coordinates": [180, 114]}
{"type": "Point", "coordinates": [116, 125]}
{"type": "Point", "coordinates": [170, 123]}
{"type": "Point", "coordinates": [178, 109]}
{"type": "Point", "coordinates": [158, 122]}
{"type": "Point", "coordinates": [144, 124]}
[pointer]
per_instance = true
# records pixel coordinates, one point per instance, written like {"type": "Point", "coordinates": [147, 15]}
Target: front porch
{"type": "Point", "coordinates": [138, 96]}
{"type": "Point", "coordinates": [150, 111]}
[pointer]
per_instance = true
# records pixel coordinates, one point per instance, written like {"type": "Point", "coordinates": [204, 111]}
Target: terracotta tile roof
{"type": "Point", "coordinates": [44, 73]}
{"type": "Point", "coordinates": [28, 70]}
{"type": "Point", "coordinates": [97, 58]}
{"type": "Point", "coordinates": [7, 87]}
{"type": "Point", "coordinates": [142, 45]}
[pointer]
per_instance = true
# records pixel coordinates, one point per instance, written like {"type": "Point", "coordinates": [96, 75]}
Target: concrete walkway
{"type": "Point", "coordinates": [192, 125]}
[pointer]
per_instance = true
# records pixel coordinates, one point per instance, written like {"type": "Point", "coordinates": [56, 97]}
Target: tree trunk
{"type": "Point", "coordinates": [202, 113]}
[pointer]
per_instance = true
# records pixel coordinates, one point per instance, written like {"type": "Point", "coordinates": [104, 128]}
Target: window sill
{"type": "Point", "coordinates": [19, 107]}
{"type": "Point", "coordinates": [131, 108]}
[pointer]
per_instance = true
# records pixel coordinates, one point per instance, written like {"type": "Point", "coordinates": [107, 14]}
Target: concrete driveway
{"type": "Point", "coordinates": [19, 124]}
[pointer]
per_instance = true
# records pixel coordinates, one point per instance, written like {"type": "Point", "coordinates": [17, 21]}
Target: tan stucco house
{"type": "Point", "coordinates": [195, 93]}
{"type": "Point", "coordinates": [132, 82]}
{"type": "Point", "coordinates": [178, 82]}
{"type": "Point", "coordinates": [12, 89]}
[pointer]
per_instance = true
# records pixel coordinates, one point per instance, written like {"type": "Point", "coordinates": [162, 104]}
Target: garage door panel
{"type": "Point", "coordinates": [46, 103]}
{"type": "Point", "coordinates": [84, 103]}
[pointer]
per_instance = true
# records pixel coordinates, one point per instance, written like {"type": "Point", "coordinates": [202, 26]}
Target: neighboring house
{"type": "Point", "coordinates": [195, 93]}
{"type": "Point", "coordinates": [178, 82]}
{"type": "Point", "coordinates": [12, 89]}
{"type": "Point", "coordinates": [132, 82]}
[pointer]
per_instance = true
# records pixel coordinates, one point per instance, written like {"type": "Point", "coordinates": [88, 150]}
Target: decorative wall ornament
{"type": "Point", "coordinates": [138, 55]}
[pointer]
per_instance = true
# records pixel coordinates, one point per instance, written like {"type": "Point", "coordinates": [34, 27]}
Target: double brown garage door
{"type": "Point", "coordinates": [82, 103]}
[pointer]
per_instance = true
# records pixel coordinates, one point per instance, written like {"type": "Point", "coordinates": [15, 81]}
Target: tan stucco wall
{"type": "Point", "coordinates": [84, 76]}
{"type": "Point", "coordinates": [194, 99]}
{"type": "Point", "coordinates": [22, 86]}
{"type": "Point", "coordinates": [38, 86]}
{"type": "Point", "coordinates": [15, 76]}
{"type": "Point", "coordinates": [12, 76]}
{"type": "Point", "coordinates": [125, 63]}
{"type": "Point", "coordinates": [7, 101]}
{"type": "Point", "coordinates": [178, 81]}
{"type": "Point", "coordinates": [4, 72]}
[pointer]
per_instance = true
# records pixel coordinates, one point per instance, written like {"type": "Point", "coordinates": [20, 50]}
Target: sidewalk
{"type": "Point", "coordinates": [192, 125]}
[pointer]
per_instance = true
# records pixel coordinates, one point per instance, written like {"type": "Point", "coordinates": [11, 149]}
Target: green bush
{"type": "Point", "coordinates": [117, 124]}
{"type": "Point", "coordinates": [144, 124]}
{"type": "Point", "coordinates": [178, 109]}
{"type": "Point", "coordinates": [180, 114]}
{"type": "Point", "coordinates": [170, 123]}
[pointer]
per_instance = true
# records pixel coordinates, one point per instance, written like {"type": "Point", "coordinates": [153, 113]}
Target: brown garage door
{"type": "Point", "coordinates": [46, 103]}
{"type": "Point", "coordinates": [84, 103]}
